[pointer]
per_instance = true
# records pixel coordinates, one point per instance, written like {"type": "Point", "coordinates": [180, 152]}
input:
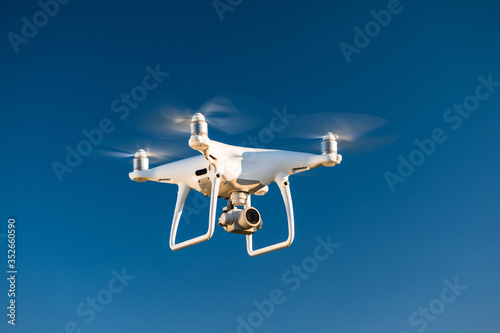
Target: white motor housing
{"type": "Point", "coordinates": [199, 133]}
{"type": "Point", "coordinates": [141, 160]}
{"type": "Point", "coordinates": [329, 144]}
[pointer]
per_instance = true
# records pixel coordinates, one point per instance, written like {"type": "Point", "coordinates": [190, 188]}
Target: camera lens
{"type": "Point", "coordinates": [252, 216]}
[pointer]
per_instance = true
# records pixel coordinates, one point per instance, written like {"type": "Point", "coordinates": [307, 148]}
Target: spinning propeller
{"type": "Point", "coordinates": [229, 113]}
{"type": "Point", "coordinates": [157, 150]}
{"type": "Point", "coordinates": [352, 131]}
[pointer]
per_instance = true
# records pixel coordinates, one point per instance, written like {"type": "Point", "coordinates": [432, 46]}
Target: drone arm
{"type": "Point", "coordinates": [284, 185]}
{"type": "Point", "coordinates": [181, 199]}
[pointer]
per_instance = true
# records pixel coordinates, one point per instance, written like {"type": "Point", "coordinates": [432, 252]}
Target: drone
{"type": "Point", "coordinates": [233, 173]}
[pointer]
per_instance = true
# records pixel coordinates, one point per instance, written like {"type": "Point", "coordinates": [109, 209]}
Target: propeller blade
{"type": "Point", "coordinates": [345, 126]}
{"type": "Point", "coordinates": [157, 150]}
{"type": "Point", "coordinates": [228, 113]}
{"type": "Point", "coordinates": [354, 132]}
{"type": "Point", "coordinates": [234, 114]}
{"type": "Point", "coordinates": [114, 154]}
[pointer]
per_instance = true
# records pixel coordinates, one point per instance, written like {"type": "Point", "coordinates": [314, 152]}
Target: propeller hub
{"type": "Point", "coordinates": [329, 136]}
{"type": "Point", "coordinates": [197, 117]}
{"type": "Point", "coordinates": [141, 153]}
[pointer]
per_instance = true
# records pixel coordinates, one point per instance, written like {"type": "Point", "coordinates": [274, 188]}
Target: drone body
{"type": "Point", "coordinates": [233, 173]}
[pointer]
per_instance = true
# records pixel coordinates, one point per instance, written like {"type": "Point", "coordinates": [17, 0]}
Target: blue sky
{"type": "Point", "coordinates": [395, 247]}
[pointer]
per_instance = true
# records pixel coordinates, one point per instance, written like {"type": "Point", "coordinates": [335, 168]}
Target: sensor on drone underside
{"type": "Point", "coordinates": [245, 221]}
{"type": "Point", "coordinates": [241, 221]}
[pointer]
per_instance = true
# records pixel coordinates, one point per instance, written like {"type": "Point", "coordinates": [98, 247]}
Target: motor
{"type": "Point", "coordinates": [199, 133]}
{"type": "Point", "coordinates": [141, 160]}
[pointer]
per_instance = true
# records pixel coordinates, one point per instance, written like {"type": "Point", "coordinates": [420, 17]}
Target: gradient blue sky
{"type": "Point", "coordinates": [396, 247]}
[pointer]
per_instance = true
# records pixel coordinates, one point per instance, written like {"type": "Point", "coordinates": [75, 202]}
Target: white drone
{"type": "Point", "coordinates": [233, 173]}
